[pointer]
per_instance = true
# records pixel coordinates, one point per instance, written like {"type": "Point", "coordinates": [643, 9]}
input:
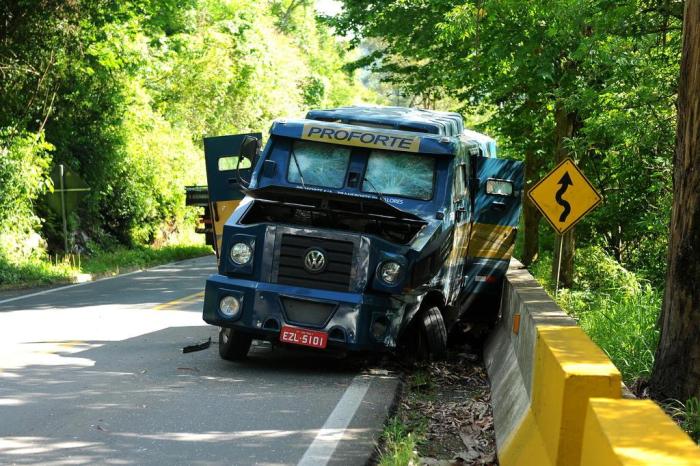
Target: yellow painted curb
{"type": "Point", "coordinates": [634, 433]}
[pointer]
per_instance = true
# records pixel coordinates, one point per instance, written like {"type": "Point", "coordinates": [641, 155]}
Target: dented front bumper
{"type": "Point", "coordinates": [353, 321]}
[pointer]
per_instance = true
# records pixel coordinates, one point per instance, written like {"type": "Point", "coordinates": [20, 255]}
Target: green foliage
{"type": "Point", "coordinates": [399, 444]}
{"type": "Point", "coordinates": [617, 309]}
{"type": "Point", "coordinates": [33, 271]}
{"type": "Point", "coordinates": [111, 261]}
{"type": "Point", "coordinates": [39, 270]}
{"type": "Point", "coordinates": [24, 163]}
{"type": "Point", "coordinates": [688, 416]}
{"type": "Point", "coordinates": [122, 93]}
{"type": "Point", "coordinates": [513, 66]}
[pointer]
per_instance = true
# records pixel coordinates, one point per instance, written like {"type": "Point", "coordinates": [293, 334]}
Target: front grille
{"type": "Point", "coordinates": [336, 275]}
{"type": "Point", "coordinates": [310, 313]}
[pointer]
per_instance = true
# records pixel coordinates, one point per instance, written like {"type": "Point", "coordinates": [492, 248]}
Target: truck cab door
{"type": "Point", "coordinates": [224, 180]}
{"type": "Point", "coordinates": [497, 203]}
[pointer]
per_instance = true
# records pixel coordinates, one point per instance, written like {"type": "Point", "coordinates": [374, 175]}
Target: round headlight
{"type": "Point", "coordinates": [230, 306]}
{"type": "Point", "coordinates": [389, 272]}
{"type": "Point", "coordinates": [241, 253]}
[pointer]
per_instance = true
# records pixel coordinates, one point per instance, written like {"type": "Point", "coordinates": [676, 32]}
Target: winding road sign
{"type": "Point", "coordinates": [564, 196]}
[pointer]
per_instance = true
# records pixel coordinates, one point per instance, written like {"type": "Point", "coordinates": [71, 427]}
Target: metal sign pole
{"type": "Point", "coordinates": [561, 247]}
{"type": "Point", "coordinates": [63, 208]}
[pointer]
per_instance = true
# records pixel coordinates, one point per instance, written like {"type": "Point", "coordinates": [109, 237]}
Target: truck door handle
{"type": "Point", "coordinates": [499, 205]}
{"type": "Point", "coordinates": [232, 181]}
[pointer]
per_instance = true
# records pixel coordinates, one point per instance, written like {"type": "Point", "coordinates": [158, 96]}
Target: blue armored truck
{"type": "Point", "coordinates": [358, 229]}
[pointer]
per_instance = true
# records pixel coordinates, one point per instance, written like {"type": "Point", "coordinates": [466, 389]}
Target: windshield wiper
{"type": "Point", "coordinates": [379, 194]}
{"type": "Point", "coordinates": [296, 162]}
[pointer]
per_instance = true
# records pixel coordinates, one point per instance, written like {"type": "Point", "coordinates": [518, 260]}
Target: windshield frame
{"type": "Point", "coordinates": [386, 194]}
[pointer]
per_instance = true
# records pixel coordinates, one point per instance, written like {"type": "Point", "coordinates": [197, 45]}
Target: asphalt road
{"type": "Point", "coordinates": [94, 374]}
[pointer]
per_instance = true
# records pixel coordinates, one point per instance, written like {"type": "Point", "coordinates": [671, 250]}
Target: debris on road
{"type": "Point", "coordinates": [198, 347]}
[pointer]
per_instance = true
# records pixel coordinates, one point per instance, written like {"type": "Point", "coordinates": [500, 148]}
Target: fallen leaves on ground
{"type": "Point", "coordinates": [450, 402]}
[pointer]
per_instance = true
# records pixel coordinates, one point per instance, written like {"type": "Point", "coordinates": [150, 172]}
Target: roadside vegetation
{"type": "Point", "coordinates": [619, 310]}
{"type": "Point", "coordinates": [616, 308]}
{"type": "Point", "coordinates": [120, 94]}
{"type": "Point", "coordinates": [38, 271]}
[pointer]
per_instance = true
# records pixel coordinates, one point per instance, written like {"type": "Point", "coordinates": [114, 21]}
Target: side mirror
{"type": "Point", "coordinates": [499, 187]}
{"type": "Point", "coordinates": [250, 149]}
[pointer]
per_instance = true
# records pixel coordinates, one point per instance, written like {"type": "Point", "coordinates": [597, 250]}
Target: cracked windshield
{"type": "Point", "coordinates": [318, 164]}
{"type": "Point", "coordinates": [400, 174]}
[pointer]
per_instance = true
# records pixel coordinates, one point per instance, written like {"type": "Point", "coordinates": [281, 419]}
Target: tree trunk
{"type": "Point", "coordinates": [677, 366]}
{"type": "Point", "coordinates": [532, 216]}
{"type": "Point", "coordinates": [565, 128]}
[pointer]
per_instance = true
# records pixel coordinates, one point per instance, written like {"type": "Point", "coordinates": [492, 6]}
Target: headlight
{"type": "Point", "coordinates": [241, 253]}
{"type": "Point", "coordinates": [389, 272]}
{"type": "Point", "coordinates": [230, 306]}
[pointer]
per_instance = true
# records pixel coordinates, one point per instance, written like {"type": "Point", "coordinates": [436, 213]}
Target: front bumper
{"type": "Point", "coordinates": [264, 312]}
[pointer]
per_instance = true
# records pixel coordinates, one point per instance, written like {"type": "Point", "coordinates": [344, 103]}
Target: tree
{"type": "Point", "coordinates": [677, 366]}
{"type": "Point", "coordinates": [594, 81]}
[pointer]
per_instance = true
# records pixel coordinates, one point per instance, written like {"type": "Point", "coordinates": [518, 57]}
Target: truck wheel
{"type": "Point", "coordinates": [233, 345]}
{"type": "Point", "coordinates": [432, 335]}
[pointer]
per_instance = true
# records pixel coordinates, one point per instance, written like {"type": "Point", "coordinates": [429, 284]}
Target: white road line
{"type": "Point", "coordinates": [61, 288]}
{"type": "Point", "coordinates": [327, 439]}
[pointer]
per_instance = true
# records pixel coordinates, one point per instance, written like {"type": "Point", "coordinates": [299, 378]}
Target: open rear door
{"type": "Point", "coordinates": [497, 206]}
{"type": "Point", "coordinates": [222, 155]}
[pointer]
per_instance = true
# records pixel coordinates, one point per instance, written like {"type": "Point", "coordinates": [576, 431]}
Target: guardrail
{"type": "Point", "coordinates": [557, 398]}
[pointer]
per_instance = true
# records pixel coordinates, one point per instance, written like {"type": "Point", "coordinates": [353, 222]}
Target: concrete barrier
{"type": "Point", "coordinates": [544, 372]}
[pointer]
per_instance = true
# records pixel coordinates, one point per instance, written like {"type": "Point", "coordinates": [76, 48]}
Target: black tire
{"type": "Point", "coordinates": [432, 335]}
{"type": "Point", "coordinates": [233, 345]}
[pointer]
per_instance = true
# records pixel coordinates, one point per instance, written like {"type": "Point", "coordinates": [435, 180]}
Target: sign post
{"type": "Point", "coordinates": [65, 199]}
{"type": "Point", "coordinates": [564, 196]}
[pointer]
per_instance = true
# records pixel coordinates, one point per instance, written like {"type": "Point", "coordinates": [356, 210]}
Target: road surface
{"type": "Point", "coordinates": [94, 374]}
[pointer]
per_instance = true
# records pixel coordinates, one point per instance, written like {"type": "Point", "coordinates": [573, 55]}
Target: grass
{"type": "Point", "coordinates": [405, 431]}
{"type": "Point", "coordinates": [399, 444]}
{"type": "Point", "coordinates": [37, 271]}
{"type": "Point", "coordinates": [141, 257]}
{"type": "Point", "coordinates": [618, 310]}
{"type": "Point", "coordinates": [688, 416]}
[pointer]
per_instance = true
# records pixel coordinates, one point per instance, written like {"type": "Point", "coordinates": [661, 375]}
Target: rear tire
{"type": "Point", "coordinates": [432, 335]}
{"type": "Point", "coordinates": [233, 345]}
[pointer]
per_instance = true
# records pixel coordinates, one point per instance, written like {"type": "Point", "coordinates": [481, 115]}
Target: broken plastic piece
{"type": "Point", "coordinates": [198, 347]}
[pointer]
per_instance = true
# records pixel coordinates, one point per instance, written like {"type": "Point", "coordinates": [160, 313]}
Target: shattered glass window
{"type": "Point", "coordinates": [400, 174]}
{"type": "Point", "coordinates": [319, 164]}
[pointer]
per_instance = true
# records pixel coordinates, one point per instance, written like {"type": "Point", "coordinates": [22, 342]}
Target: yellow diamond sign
{"type": "Point", "coordinates": [564, 196]}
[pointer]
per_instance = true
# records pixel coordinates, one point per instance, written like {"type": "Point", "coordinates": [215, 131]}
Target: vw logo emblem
{"type": "Point", "coordinates": [314, 261]}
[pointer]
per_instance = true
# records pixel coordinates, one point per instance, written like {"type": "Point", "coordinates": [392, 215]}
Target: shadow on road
{"type": "Point", "coordinates": [141, 401]}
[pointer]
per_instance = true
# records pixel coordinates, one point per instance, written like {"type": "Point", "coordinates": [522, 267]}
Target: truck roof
{"type": "Point", "coordinates": [392, 128]}
{"type": "Point", "coordinates": [397, 118]}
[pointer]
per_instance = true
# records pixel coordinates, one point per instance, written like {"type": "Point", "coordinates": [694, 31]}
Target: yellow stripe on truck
{"type": "Point", "coordinates": [490, 241]}
{"type": "Point", "coordinates": [224, 209]}
{"type": "Point", "coordinates": [361, 138]}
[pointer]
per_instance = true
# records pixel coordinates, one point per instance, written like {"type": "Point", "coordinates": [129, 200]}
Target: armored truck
{"type": "Point", "coordinates": [358, 229]}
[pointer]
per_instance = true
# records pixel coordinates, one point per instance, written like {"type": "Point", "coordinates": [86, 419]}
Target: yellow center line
{"type": "Point", "coordinates": [55, 347]}
{"type": "Point", "coordinates": [185, 300]}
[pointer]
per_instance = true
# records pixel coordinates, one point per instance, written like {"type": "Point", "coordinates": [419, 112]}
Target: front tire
{"type": "Point", "coordinates": [233, 345]}
{"type": "Point", "coordinates": [431, 335]}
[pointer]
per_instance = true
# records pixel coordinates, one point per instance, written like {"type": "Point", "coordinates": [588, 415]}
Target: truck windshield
{"type": "Point", "coordinates": [400, 174]}
{"type": "Point", "coordinates": [319, 164]}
